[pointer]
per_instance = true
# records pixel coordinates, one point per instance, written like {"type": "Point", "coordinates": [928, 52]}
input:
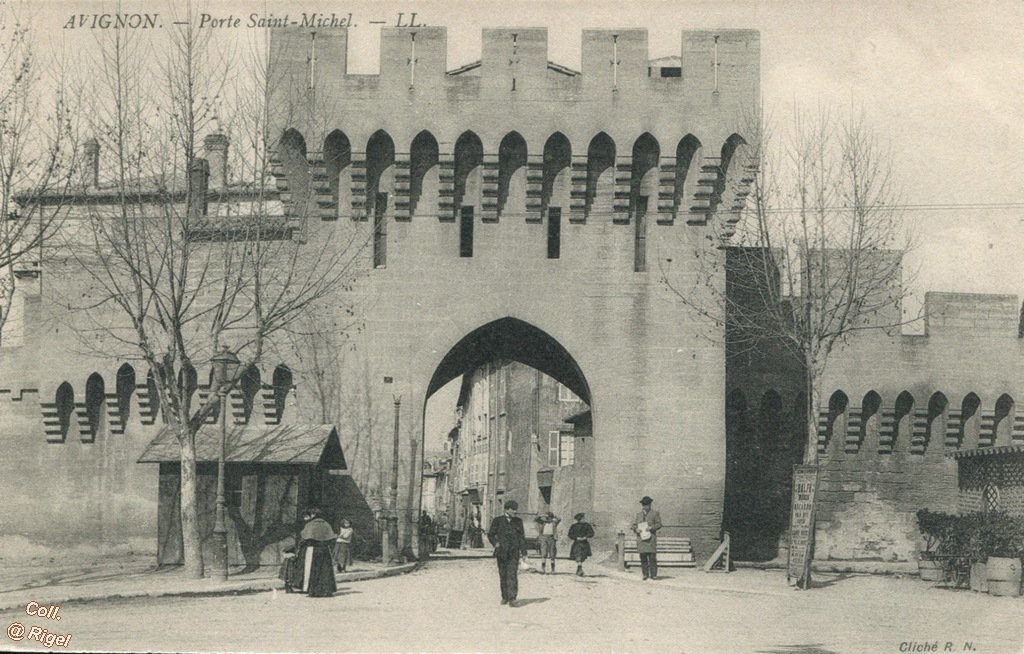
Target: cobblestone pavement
{"type": "Point", "coordinates": [454, 606]}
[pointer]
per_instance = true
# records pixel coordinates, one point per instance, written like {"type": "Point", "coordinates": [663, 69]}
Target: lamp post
{"type": "Point", "coordinates": [393, 517]}
{"type": "Point", "coordinates": [225, 367]}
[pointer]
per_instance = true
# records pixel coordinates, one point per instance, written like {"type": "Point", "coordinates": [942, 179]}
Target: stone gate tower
{"type": "Point", "coordinates": [520, 209]}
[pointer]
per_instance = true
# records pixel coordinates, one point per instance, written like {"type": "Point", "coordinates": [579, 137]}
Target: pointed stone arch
{"type": "Point", "coordinates": [380, 176]}
{"type": "Point", "coordinates": [188, 384]}
{"type": "Point", "coordinates": [643, 193]}
{"type": "Point", "coordinates": [512, 158]}
{"type": "Point", "coordinates": [423, 173]}
{"type": "Point", "coordinates": [125, 389]}
{"type": "Point", "coordinates": [556, 187]}
{"type": "Point", "coordinates": [600, 189]}
{"type": "Point", "coordinates": [728, 154]}
{"type": "Point", "coordinates": [970, 422]}
{"type": "Point", "coordinates": [282, 382]}
{"type": "Point", "coordinates": [64, 399]}
{"type": "Point", "coordinates": [337, 162]}
{"type": "Point", "coordinates": [153, 394]}
{"type": "Point", "coordinates": [469, 161]}
{"type": "Point", "coordinates": [291, 152]}
{"type": "Point", "coordinates": [249, 384]}
{"type": "Point", "coordinates": [902, 423]}
{"type": "Point", "coordinates": [687, 154]}
{"type": "Point", "coordinates": [1002, 426]}
{"type": "Point", "coordinates": [938, 419]}
{"type": "Point", "coordinates": [871, 419]}
{"type": "Point", "coordinates": [835, 425]}
{"type": "Point", "coordinates": [95, 406]}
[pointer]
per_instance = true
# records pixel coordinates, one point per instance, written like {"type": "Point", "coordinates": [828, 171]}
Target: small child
{"type": "Point", "coordinates": [343, 548]}
{"type": "Point", "coordinates": [288, 569]}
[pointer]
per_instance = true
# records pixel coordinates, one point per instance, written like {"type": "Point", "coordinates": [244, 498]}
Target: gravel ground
{"type": "Point", "coordinates": [453, 606]}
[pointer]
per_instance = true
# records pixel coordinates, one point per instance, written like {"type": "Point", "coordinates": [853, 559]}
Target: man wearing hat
{"type": "Point", "coordinates": [547, 525]}
{"type": "Point", "coordinates": [508, 538]}
{"type": "Point", "coordinates": [646, 526]}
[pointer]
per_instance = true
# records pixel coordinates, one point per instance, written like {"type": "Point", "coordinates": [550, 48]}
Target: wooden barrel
{"type": "Point", "coordinates": [1003, 576]}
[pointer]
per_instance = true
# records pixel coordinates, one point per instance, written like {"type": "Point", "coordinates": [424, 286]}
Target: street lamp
{"type": "Point", "coordinates": [225, 367]}
{"type": "Point", "coordinates": [389, 545]}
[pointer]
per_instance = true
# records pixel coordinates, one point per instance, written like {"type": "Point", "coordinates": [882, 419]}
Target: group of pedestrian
{"type": "Point", "coordinates": [309, 566]}
{"type": "Point", "coordinates": [580, 534]}
{"type": "Point", "coordinates": [508, 538]}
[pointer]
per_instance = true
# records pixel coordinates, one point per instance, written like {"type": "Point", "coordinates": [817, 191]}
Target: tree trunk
{"type": "Point", "coordinates": [811, 458]}
{"type": "Point", "coordinates": [191, 535]}
{"type": "Point", "coordinates": [813, 410]}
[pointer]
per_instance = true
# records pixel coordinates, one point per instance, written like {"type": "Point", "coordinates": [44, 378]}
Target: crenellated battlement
{"type": "Point", "coordinates": [514, 134]}
{"type": "Point", "coordinates": [516, 59]}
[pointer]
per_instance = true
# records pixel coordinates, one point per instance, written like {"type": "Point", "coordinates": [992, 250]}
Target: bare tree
{"type": "Point", "coordinates": [817, 255]}
{"type": "Point", "coordinates": [180, 272]}
{"type": "Point", "coordinates": [37, 154]}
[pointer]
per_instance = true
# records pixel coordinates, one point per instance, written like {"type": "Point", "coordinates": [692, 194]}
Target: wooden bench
{"type": "Point", "coordinates": [673, 551]}
{"type": "Point", "coordinates": [533, 544]}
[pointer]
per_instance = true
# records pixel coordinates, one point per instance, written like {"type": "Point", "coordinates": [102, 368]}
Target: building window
{"type": "Point", "coordinates": [553, 448]}
{"type": "Point", "coordinates": [233, 491]}
{"type": "Point", "coordinates": [466, 232]}
{"type": "Point", "coordinates": [566, 449]}
{"type": "Point", "coordinates": [990, 498]}
{"type": "Point", "coordinates": [565, 395]}
{"type": "Point", "coordinates": [554, 232]}
{"type": "Point", "coordinates": [380, 231]}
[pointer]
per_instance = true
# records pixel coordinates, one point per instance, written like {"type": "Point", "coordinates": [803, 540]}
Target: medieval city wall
{"type": "Point", "coordinates": [948, 390]}
{"type": "Point", "coordinates": [652, 370]}
{"type": "Point", "coordinates": [893, 407]}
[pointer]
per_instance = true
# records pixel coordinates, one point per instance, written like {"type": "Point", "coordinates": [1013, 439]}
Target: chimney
{"type": "Point", "coordinates": [198, 181]}
{"type": "Point", "coordinates": [91, 163]}
{"type": "Point", "coordinates": [217, 154]}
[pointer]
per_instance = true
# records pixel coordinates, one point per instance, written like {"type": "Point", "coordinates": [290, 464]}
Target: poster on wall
{"type": "Point", "coordinates": [801, 525]}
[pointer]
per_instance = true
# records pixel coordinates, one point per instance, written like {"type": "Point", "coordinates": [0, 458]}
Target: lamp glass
{"type": "Point", "coordinates": [225, 366]}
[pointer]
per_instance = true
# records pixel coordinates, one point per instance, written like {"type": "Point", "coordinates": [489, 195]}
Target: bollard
{"type": "Point", "coordinates": [620, 546]}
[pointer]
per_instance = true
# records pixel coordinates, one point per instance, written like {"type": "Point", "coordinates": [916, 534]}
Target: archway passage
{"type": "Point", "coordinates": [519, 428]}
{"type": "Point", "coordinates": [764, 439]}
{"type": "Point", "coordinates": [516, 340]}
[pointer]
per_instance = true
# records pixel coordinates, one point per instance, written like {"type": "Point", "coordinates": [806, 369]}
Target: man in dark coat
{"type": "Point", "coordinates": [509, 540]}
{"type": "Point", "coordinates": [646, 525]}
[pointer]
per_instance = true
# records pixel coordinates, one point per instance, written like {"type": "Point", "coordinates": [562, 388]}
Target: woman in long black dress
{"type": "Point", "coordinates": [315, 556]}
{"type": "Point", "coordinates": [580, 534]}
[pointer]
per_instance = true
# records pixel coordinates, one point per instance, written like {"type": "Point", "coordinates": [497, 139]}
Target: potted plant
{"type": "Point", "coordinates": [1001, 543]}
{"type": "Point", "coordinates": [984, 549]}
{"type": "Point", "coordinates": [934, 526]}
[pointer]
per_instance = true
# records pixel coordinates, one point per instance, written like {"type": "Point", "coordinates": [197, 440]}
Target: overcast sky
{"type": "Point", "coordinates": [941, 80]}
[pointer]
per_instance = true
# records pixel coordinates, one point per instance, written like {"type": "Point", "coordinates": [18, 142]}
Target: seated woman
{"type": "Point", "coordinates": [317, 569]}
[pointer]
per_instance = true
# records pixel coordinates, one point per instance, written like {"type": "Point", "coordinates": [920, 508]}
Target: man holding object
{"type": "Point", "coordinates": [508, 538]}
{"type": "Point", "coordinates": [646, 526]}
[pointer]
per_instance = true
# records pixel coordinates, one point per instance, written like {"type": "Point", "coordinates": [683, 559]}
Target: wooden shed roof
{"type": "Point", "coordinates": [300, 444]}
